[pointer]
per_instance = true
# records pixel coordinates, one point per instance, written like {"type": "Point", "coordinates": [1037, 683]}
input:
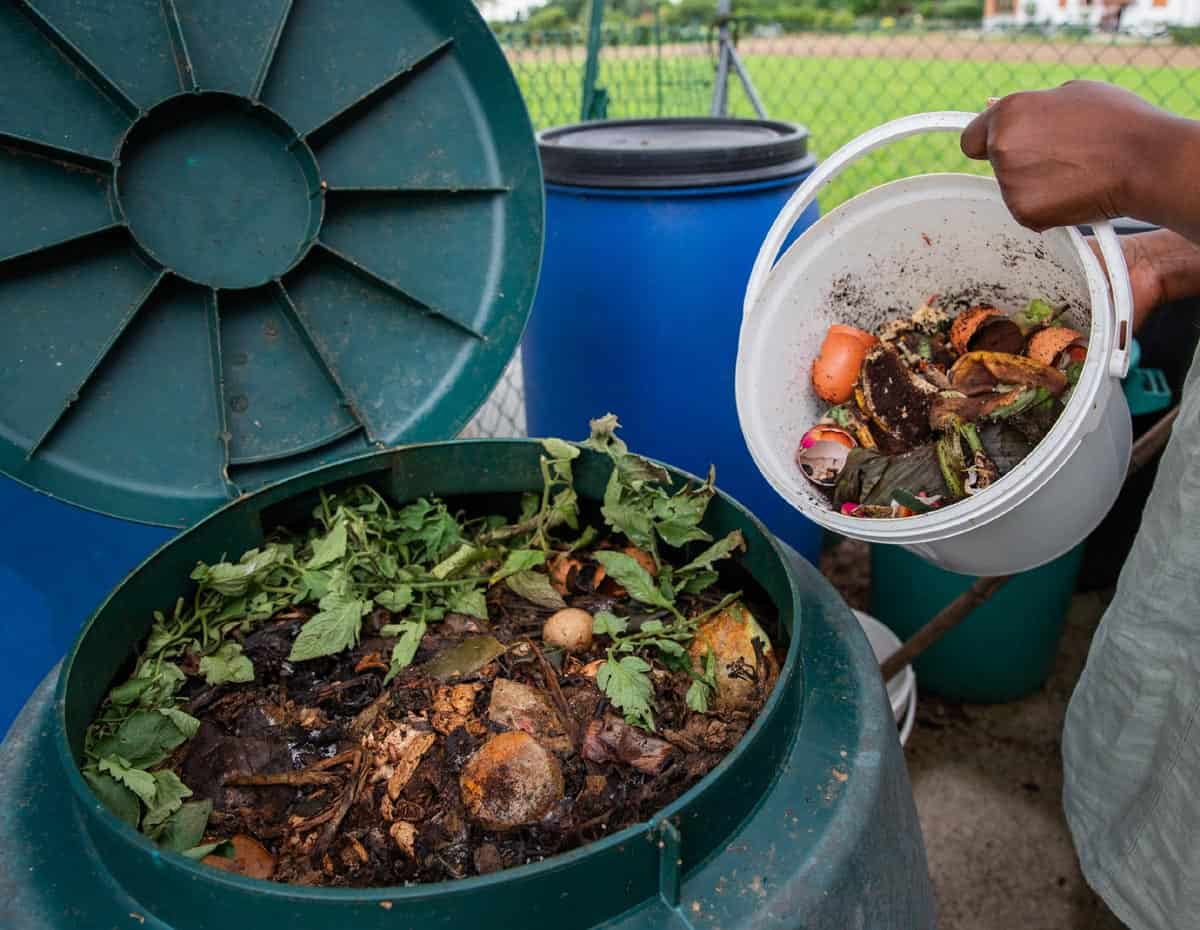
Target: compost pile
{"type": "Point", "coordinates": [406, 694]}
{"type": "Point", "coordinates": [933, 409]}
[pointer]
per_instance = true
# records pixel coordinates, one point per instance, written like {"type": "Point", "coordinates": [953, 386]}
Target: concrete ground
{"type": "Point", "coordinates": [988, 784]}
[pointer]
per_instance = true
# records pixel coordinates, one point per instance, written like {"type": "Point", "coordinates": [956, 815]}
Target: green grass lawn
{"type": "Point", "coordinates": [838, 98]}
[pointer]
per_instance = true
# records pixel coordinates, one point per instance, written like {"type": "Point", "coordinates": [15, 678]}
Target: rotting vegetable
{"type": "Point", "coordinates": [407, 693]}
{"type": "Point", "coordinates": [942, 408]}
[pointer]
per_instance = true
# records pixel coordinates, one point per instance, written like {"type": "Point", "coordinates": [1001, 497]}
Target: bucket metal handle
{"type": "Point", "coordinates": [945, 121]}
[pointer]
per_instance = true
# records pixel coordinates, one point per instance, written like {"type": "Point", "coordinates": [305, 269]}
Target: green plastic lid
{"type": "Point", "coordinates": [247, 237]}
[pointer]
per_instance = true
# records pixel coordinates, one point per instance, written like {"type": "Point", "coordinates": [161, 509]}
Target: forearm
{"type": "Point", "coordinates": [1176, 262]}
{"type": "Point", "coordinates": [1163, 184]}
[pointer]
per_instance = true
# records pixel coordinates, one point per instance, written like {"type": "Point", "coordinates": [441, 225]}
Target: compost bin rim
{"type": "Point", "coordinates": [757, 159]}
{"type": "Point", "coordinates": [89, 805]}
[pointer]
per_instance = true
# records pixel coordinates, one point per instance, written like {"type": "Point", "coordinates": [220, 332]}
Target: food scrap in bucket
{"type": "Point", "coordinates": [933, 409]}
{"type": "Point", "coordinates": [398, 691]}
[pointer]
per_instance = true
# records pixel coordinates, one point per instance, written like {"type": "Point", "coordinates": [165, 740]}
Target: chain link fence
{"type": "Point", "coordinates": [838, 85]}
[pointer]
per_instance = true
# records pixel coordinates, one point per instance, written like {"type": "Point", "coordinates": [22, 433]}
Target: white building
{"type": "Point", "coordinates": [1137, 16]}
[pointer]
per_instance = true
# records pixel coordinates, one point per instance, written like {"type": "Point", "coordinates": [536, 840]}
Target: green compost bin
{"type": "Point", "coordinates": [250, 246]}
{"type": "Point", "coordinates": [808, 823]}
{"type": "Point", "coordinates": [1004, 650]}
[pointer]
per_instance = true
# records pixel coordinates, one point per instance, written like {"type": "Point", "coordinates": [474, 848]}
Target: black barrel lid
{"type": "Point", "coordinates": [675, 152]}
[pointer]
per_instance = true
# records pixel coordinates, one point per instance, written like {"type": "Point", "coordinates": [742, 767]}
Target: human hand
{"type": "Point", "coordinates": [1075, 154]}
{"type": "Point", "coordinates": [1163, 266]}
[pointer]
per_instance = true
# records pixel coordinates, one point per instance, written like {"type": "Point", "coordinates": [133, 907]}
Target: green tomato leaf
{"type": "Point", "coordinates": [329, 548]}
{"type": "Point", "coordinates": [628, 573]}
{"type": "Point", "coordinates": [605, 623]}
{"type": "Point", "coordinates": [227, 664]}
{"type": "Point", "coordinates": [167, 799]}
{"type": "Point", "coordinates": [184, 829]}
{"type": "Point", "coordinates": [558, 449]}
{"type": "Point", "coordinates": [535, 588]}
{"type": "Point", "coordinates": [137, 780]}
{"type": "Point", "coordinates": [184, 722]}
{"type": "Point", "coordinates": [721, 549]}
{"type": "Point", "coordinates": [519, 560]}
{"type": "Point", "coordinates": [206, 849]}
{"type": "Point", "coordinates": [471, 602]}
{"type": "Point", "coordinates": [651, 626]}
{"type": "Point", "coordinates": [628, 686]}
{"type": "Point", "coordinates": [145, 738]}
{"type": "Point", "coordinates": [697, 696]}
{"type": "Point", "coordinates": [410, 633]}
{"type": "Point", "coordinates": [120, 801]}
{"type": "Point", "coordinates": [700, 581]}
{"type": "Point", "coordinates": [234, 580]}
{"type": "Point", "coordinates": [335, 628]}
{"type": "Point", "coordinates": [313, 586]}
{"type": "Point", "coordinates": [465, 556]}
{"type": "Point", "coordinates": [396, 599]}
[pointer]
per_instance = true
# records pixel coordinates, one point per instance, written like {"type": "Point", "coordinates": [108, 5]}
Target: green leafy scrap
{"type": "Point", "coordinates": [137, 780]}
{"type": "Point", "coordinates": [334, 628]}
{"type": "Point", "coordinates": [704, 685]}
{"type": "Point", "coordinates": [227, 664]}
{"type": "Point", "coordinates": [169, 795]}
{"type": "Point", "coordinates": [535, 587]}
{"type": "Point", "coordinates": [329, 548]}
{"type": "Point", "coordinates": [410, 633]}
{"type": "Point", "coordinates": [519, 560]}
{"type": "Point", "coordinates": [626, 683]}
{"type": "Point", "coordinates": [628, 573]}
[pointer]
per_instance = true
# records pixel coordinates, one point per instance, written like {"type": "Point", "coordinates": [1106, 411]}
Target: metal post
{"type": "Point", "coordinates": [727, 57]}
{"type": "Point", "coordinates": [594, 104]}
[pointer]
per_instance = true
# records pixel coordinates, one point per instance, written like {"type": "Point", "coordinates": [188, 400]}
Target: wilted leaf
{"type": "Point", "coordinates": [120, 801]}
{"type": "Point", "coordinates": [231, 579]}
{"type": "Point", "coordinates": [471, 601]}
{"type": "Point", "coordinates": [329, 548]}
{"type": "Point", "coordinates": [628, 686]}
{"type": "Point", "coordinates": [335, 628]}
{"type": "Point", "coordinates": [227, 664]}
{"type": "Point", "coordinates": [465, 658]}
{"type": "Point", "coordinates": [519, 560]}
{"type": "Point", "coordinates": [137, 780]}
{"type": "Point", "coordinates": [185, 828]}
{"type": "Point", "coordinates": [168, 798]}
{"type": "Point", "coordinates": [628, 573]}
{"type": "Point", "coordinates": [410, 633]}
{"type": "Point", "coordinates": [396, 599]}
{"type": "Point", "coordinates": [184, 722]}
{"type": "Point", "coordinates": [697, 696]}
{"type": "Point", "coordinates": [535, 588]}
{"type": "Point", "coordinates": [605, 623]}
{"type": "Point", "coordinates": [558, 449]}
{"type": "Point", "coordinates": [145, 738]}
{"type": "Point", "coordinates": [721, 549]}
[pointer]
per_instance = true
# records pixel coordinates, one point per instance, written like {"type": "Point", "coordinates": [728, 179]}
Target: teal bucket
{"type": "Point", "coordinates": [1004, 650]}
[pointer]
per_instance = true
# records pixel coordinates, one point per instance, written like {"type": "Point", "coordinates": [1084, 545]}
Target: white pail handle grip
{"type": "Point", "coordinates": [945, 121]}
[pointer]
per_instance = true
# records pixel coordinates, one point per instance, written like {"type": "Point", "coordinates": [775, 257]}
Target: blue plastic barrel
{"type": "Point", "coordinates": [57, 564]}
{"type": "Point", "coordinates": [652, 227]}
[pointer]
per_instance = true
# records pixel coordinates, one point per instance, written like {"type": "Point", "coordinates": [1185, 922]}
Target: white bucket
{"type": "Point", "coordinates": [902, 687]}
{"type": "Point", "coordinates": [890, 248]}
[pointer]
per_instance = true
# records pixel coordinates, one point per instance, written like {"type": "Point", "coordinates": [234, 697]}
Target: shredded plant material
{"type": "Point", "coordinates": [933, 409]}
{"type": "Point", "coordinates": [405, 692]}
